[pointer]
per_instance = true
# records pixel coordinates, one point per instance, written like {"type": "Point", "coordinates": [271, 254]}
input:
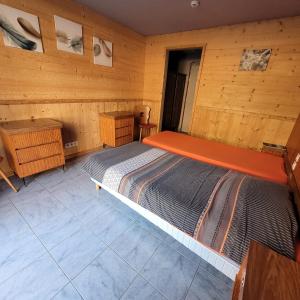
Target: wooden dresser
{"type": "Point", "coordinates": [32, 146]}
{"type": "Point", "coordinates": [265, 275]}
{"type": "Point", "coordinates": [116, 128]}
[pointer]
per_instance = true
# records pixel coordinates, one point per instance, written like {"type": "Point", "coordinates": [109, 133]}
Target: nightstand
{"type": "Point", "coordinates": [265, 274]}
{"type": "Point", "coordinates": [116, 128]}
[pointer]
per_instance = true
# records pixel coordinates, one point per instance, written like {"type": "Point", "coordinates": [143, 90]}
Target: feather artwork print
{"type": "Point", "coordinates": [15, 36]}
{"type": "Point", "coordinates": [76, 44]}
{"type": "Point", "coordinates": [97, 50]}
{"type": "Point", "coordinates": [62, 37]}
{"type": "Point", "coordinates": [68, 35]}
{"type": "Point", "coordinates": [20, 29]}
{"type": "Point", "coordinates": [106, 49]}
{"type": "Point", "coordinates": [28, 27]}
{"type": "Point", "coordinates": [103, 52]}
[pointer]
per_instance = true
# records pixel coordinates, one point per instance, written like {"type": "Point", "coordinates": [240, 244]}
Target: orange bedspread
{"type": "Point", "coordinates": [251, 162]}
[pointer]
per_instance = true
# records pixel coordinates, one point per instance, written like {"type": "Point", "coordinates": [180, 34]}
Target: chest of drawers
{"type": "Point", "coordinates": [116, 128]}
{"type": "Point", "coordinates": [32, 146]}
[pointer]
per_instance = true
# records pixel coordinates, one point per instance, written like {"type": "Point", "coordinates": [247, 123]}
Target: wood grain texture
{"type": "Point", "coordinates": [80, 121]}
{"type": "Point", "coordinates": [60, 75]}
{"type": "Point", "coordinates": [69, 87]}
{"type": "Point", "coordinates": [30, 152]}
{"type": "Point", "coordinates": [25, 126]}
{"type": "Point", "coordinates": [232, 106]}
{"type": "Point", "coordinates": [116, 128]}
{"type": "Point", "coordinates": [270, 275]}
{"type": "Point", "coordinates": [240, 108]}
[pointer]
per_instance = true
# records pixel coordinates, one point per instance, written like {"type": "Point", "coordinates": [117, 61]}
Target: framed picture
{"type": "Point", "coordinates": [20, 29]}
{"type": "Point", "coordinates": [103, 52]}
{"type": "Point", "coordinates": [68, 35]}
{"type": "Point", "coordinates": [255, 59]}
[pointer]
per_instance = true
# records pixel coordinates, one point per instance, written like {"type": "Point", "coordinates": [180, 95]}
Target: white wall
{"type": "Point", "coordinates": [189, 67]}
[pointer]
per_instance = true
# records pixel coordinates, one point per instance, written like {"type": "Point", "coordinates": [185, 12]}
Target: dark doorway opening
{"type": "Point", "coordinates": [182, 71]}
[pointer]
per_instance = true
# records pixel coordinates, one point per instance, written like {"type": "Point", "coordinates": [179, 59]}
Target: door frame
{"type": "Point", "coordinates": [166, 55]}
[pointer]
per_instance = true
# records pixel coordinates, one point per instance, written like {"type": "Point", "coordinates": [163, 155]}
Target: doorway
{"type": "Point", "coordinates": [181, 78]}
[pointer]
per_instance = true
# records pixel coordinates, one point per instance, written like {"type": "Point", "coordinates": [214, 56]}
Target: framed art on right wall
{"type": "Point", "coordinates": [255, 59]}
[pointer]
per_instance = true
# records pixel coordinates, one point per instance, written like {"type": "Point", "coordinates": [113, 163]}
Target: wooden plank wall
{"type": "Point", "coordinates": [240, 108]}
{"type": "Point", "coordinates": [69, 87]}
{"type": "Point", "coordinates": [232, 106]}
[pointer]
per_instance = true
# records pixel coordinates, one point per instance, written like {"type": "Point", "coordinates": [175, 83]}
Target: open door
{"type": "Point", "coordinates": [173, 101]}
{"type": "Point", "coordinates": [182, 71]}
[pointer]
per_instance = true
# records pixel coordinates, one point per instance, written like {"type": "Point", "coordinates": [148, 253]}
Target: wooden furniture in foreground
{"type": "Point", "coordinates": [264, 275]}
{"type": "Point", "coordinates": [147, 128]}
{"type": "Point", "coordinates": [2, 174]}
{"type": "Point", "coordinates": [32, 146]}
{"type": "Point", "coordinates": [116, 128]}
{"type": "Point", "coordinates": [292, 163]}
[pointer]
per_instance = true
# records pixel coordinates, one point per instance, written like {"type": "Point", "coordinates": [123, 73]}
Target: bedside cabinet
{"type": "Point", "coordinates": [116, 128]}
{"type": "Point", "coordinates": [32, 146]}
{"type": "Point", "coordinates": [265, 274]}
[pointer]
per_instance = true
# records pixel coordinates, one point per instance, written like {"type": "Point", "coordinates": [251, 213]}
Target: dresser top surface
{"type": "Point", "coordinates": [23, 126]}
{"type": "Point", "coordinates": [117, 114]}
{"type": "Point", "coordinates": [270, 275]}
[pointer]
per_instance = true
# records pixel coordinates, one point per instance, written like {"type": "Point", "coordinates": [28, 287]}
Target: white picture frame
{"type": "Point", "coordinates": [20, 29]}
{"type": "Point", "coordinates": [69, 36]}
{"type": "Point", "coordinates": [103, 52]}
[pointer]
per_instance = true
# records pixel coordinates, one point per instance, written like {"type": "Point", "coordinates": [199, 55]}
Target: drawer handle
{"type": "Point", "coordinates": [38, 145]}
{"type": "Point", "coordinates": [123, 127]}
{"type": "Point", "coordinates": [31, 161]}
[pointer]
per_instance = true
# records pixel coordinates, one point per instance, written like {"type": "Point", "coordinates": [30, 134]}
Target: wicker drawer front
{"type": "Point", "coordinates": [38, 152]}
{"type": "Point", "coordinates": [124, 122]}
{"type": "Point", "coordinates": [124, 140]}
{"type": "Point", "coordinates": [26, 140]}
{"type": "Point", "coordinates": [37, 166]}
{"type": "Point", "coordinates": [120, 132]}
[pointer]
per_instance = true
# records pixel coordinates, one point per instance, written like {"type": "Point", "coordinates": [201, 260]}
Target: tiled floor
{"type": "Point", "coordinates": [61, 239]}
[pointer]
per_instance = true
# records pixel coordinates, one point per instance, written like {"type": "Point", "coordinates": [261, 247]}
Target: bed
{"type": "Point", "coordinates": [212, 210]}
{"type": "Point", "coordinates": [263, 165]}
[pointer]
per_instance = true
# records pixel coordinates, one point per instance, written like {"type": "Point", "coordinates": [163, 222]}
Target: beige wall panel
{"type": "Point", "coordinates": [232, 106]}
{"type": "Point", "coordinates": [69, 87]}
{"type": "Point", "coordinates": [80, 120]}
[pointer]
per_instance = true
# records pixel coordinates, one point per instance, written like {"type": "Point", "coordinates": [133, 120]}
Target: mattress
{"type": "Point", "coordinates": [220, 208]}
{"type": "Point", "coordinates": [263, 165]}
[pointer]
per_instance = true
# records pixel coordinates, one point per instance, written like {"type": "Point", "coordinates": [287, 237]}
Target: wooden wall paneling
{"type": "Point", "coordinates": [232, 106]}
{"type": "Point", "coordinates": [80, 120]}
{"type": "Point", "coordinates": [69, 87]}
{"type": "Point", "coordinates": [240, 108]}
{"type": "Point", "coordinates": [60, 75]}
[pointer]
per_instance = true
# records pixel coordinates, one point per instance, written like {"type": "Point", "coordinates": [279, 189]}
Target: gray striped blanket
{"type": "Point", "coordinates": [220, 208]}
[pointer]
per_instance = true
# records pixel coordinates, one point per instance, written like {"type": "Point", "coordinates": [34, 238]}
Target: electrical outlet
{"type": "Point", "coordinates": [71, 144]}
